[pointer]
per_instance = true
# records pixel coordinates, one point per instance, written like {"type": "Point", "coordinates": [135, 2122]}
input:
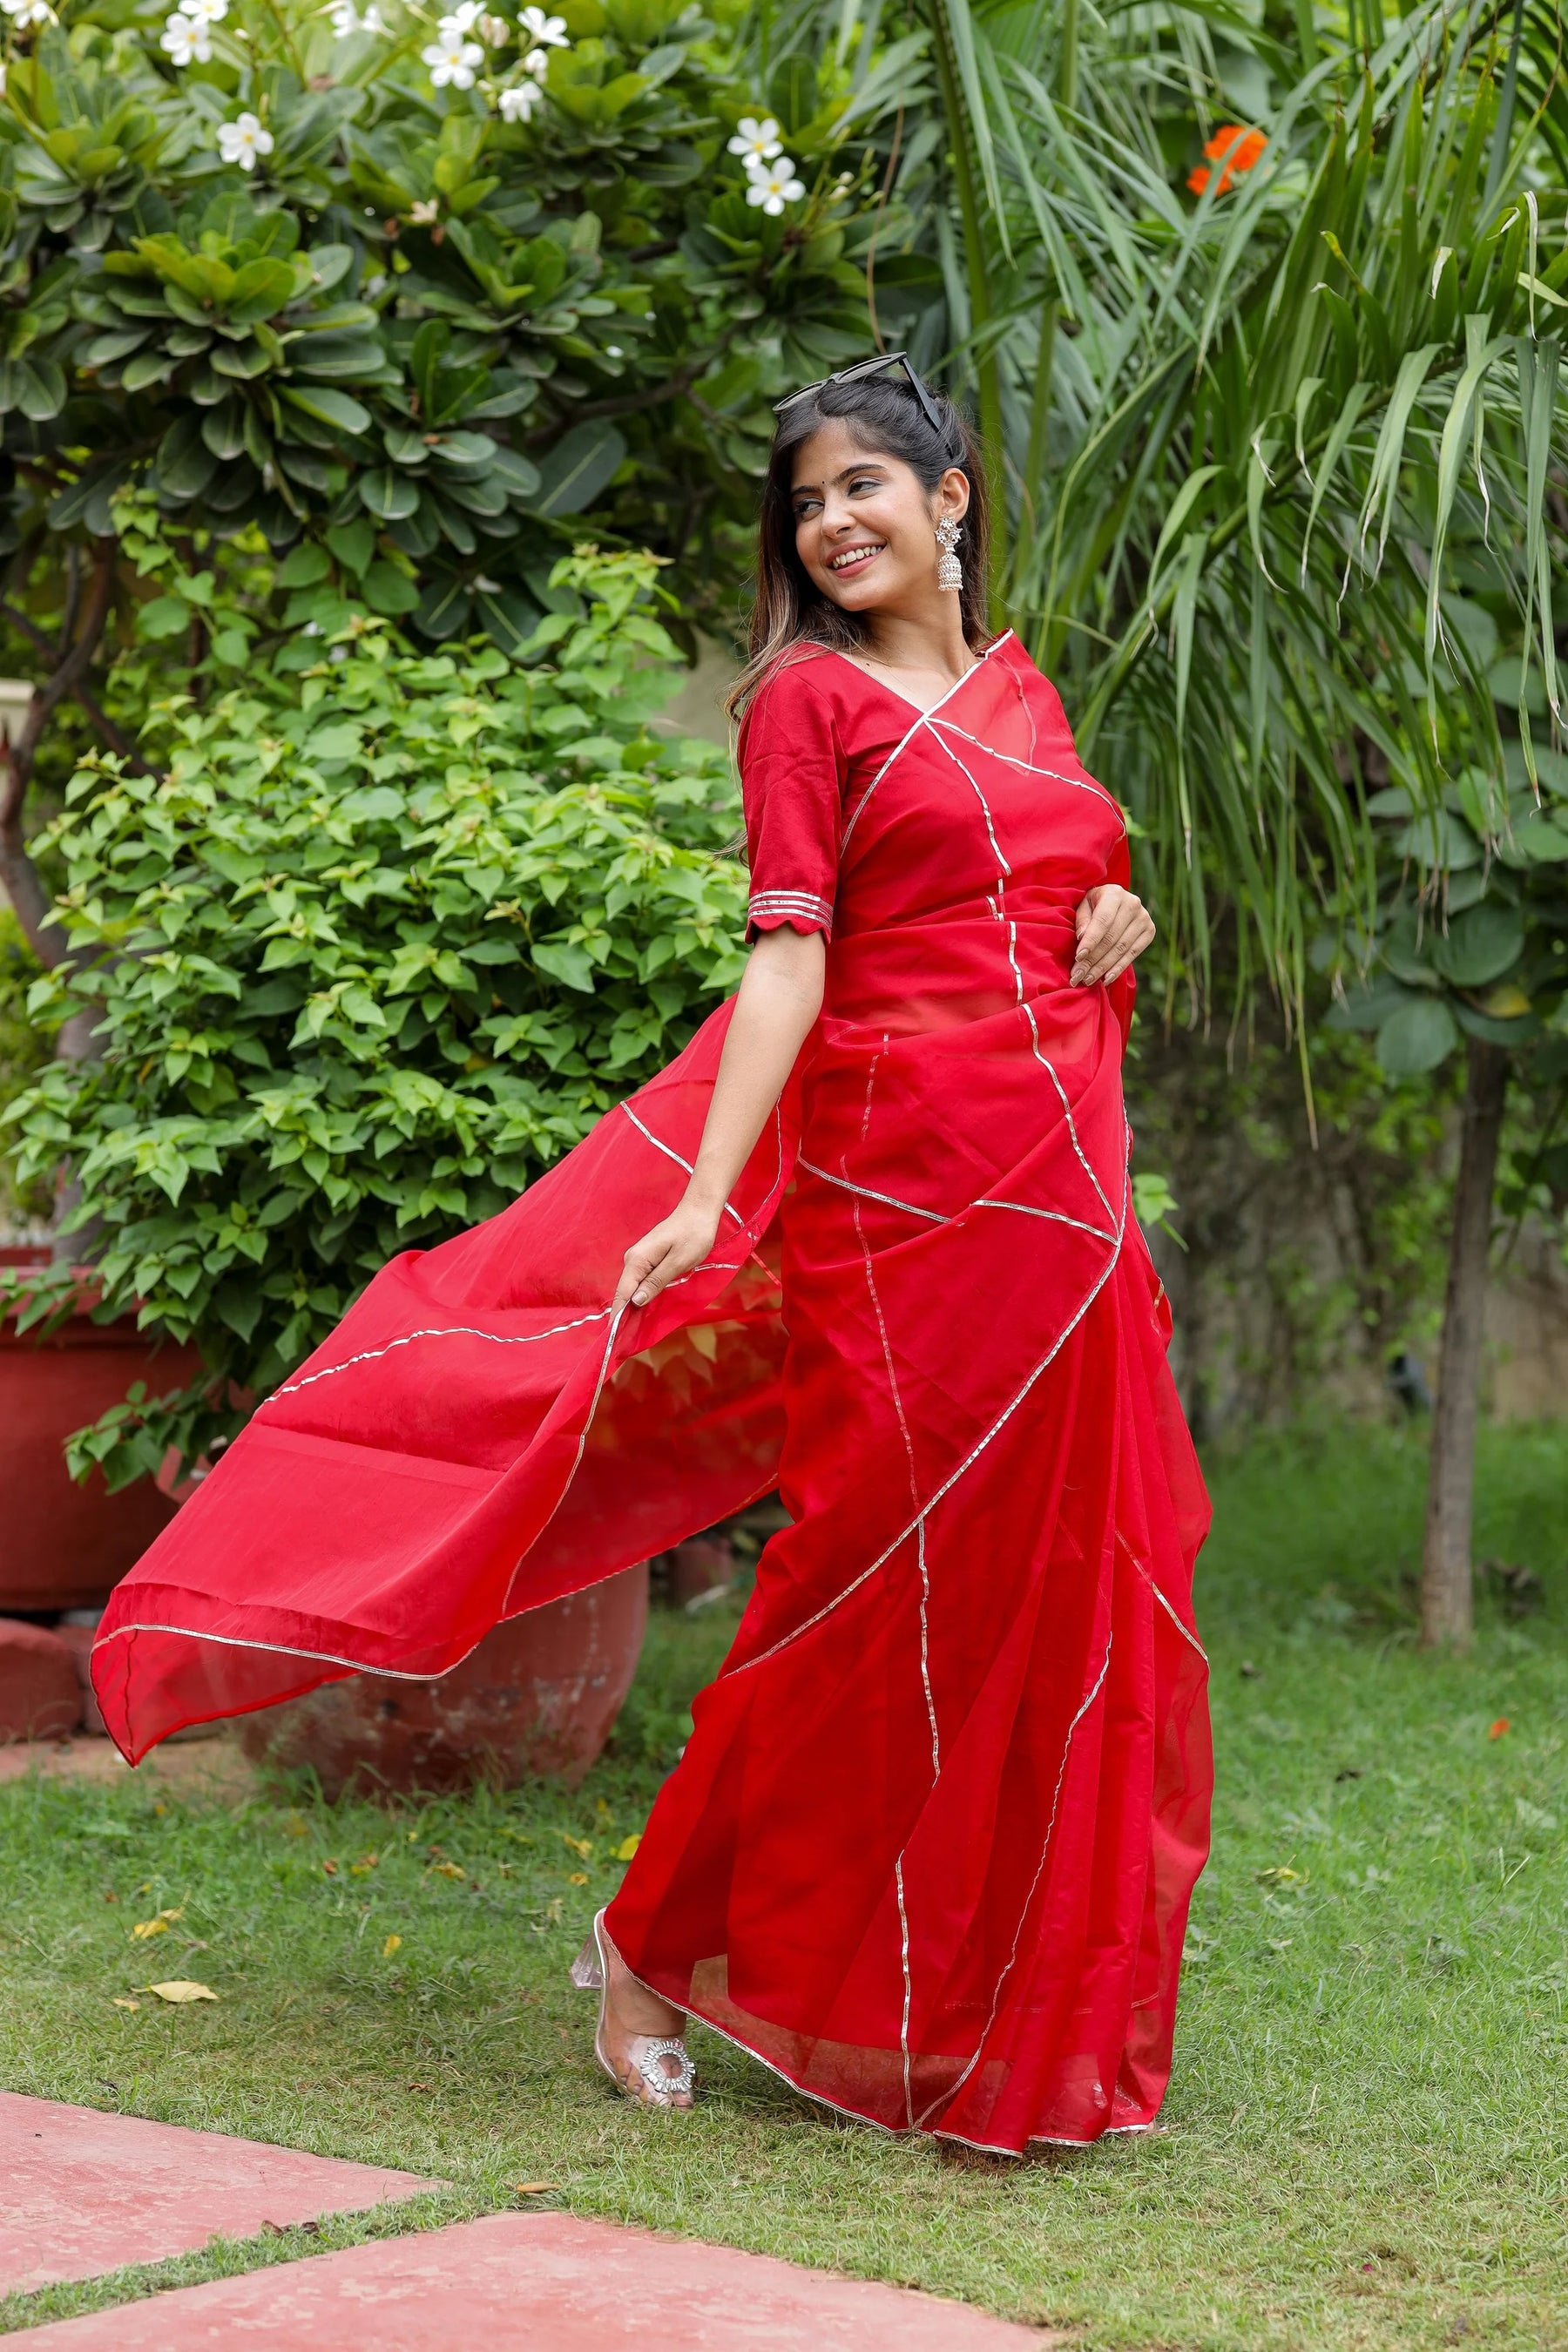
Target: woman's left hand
{"type": "Point", "coordinates": [1113, 926]}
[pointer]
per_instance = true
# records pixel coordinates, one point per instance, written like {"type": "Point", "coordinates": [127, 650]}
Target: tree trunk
{"type": "Point", "coordinates": [73, 659]}
{"type": "Point", "coordinates": [1446, 1610]}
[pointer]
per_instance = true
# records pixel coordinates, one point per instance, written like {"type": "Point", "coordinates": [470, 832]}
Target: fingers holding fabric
{"type": "Point", "coordinates": [673, 1248]}
{"type": "Point", "coordinates": [1114, 927]}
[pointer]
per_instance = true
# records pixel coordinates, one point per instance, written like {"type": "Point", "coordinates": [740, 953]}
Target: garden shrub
{"type": "Point", "coordinates": [23, 1050]}
{"type": "Point", "coordinates": [406, 305]}
{"type": "Point", "coordinates": [387, 937]}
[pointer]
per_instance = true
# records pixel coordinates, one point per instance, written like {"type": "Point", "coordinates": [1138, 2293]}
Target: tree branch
{"type": "Point", "coordinates": [118, 742]}
{"type": "Point", "coordinates": [625, 405]}
{"type": "Point", "coordinates": [17, 871]}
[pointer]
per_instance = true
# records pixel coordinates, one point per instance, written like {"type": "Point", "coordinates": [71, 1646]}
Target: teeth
{"type": "Point", "coordinates": [852, 555]}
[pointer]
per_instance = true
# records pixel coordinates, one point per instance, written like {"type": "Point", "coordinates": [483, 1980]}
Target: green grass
{"type": "Point", "coordinates": [1367, 2137]}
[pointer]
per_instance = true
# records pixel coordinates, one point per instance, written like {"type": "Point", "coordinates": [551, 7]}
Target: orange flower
{"type": "Point", "coordinates": [1497, 1730]}
{"type": "Point", "coordinates": [1232, 146]}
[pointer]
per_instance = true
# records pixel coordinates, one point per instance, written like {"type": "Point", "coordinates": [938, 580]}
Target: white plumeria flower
{"type": "Point", "coordinates": [243, 140]}
{"type": "Point", "coordinates": [461, 19]}
{"type": "Point", "coordinates": [773, 185]}
{"type": "Point", "coordinates": [187, 40]}
{"type": "Point", "coordinates": [425, 211]}
{"type": "Point", "coordinates": [453, 60]}
{"type": "Point", "coordinates": [347, 20]}
{"type": "Point", "coordinates": [206, 12]}
{"type": "Point", "coordinates": [758, 142]}
{"type": "Point", "coordinates": [493, 30]}
{"type": "Point", "coordinates": [537, 63]}
{"type": "Point", "coordinates": [550, 31]}
{"type": "Point", "coordinates": [519, 102]}
{"type": "Point", "coordinates": [24, 12]}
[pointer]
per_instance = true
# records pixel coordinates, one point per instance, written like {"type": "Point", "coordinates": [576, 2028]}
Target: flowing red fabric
{"type": "Point", "coordinates": [930, 1849]}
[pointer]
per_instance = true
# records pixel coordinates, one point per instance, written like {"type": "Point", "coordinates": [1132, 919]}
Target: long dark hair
{"type": "Point", "coordinates": [883, 413]}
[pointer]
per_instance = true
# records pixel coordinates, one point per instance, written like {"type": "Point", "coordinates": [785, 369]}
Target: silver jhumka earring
{"type": "Point", "coordinates": [949, 571]}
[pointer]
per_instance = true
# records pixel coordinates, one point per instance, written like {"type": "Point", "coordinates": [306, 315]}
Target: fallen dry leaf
{"type": "Point", "coordinates": [122, 2001]}
{"type": "Point", "coordinates": [534, 2188]}
{"type": "Point", "coordinates": [181, 1988]}
{"type": "Point", "coordinates": [583, 1846]}
{"type": "Point", "coordinates": [365, 1863]}
{"type": "Point", "coordinates": [446, 1869]}
{"type": "Point", "coordinates": [1497, 1730]}
{"type": "Point", "coordinates": [628, 1847]}
{"type": "Point", "coordinates": [160, 1926]}
{"type": "Point", "coordinates": [393, 1944]}
{"type": "Point", "coordinates": [578, 1879]}
{"type": "Point", "coordinates": [331, 1868]}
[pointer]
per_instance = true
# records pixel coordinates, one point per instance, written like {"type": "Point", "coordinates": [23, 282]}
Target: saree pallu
{"type": "Point", "coordinates": [930, 1848]}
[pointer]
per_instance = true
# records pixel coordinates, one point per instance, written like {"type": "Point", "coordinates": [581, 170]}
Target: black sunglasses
{"type": "Point", "coordinates": [872, 367]}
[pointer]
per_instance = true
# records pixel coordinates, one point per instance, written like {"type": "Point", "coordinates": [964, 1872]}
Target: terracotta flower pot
{"type": "Point", "coordinates": [701, 1564]}
{"type": "Point", "coordinates": [40, 1697]}
{"type": "Point", "coordinates": [539, 1696]}
{"type": "Point", "coordinates": [64, 1546]}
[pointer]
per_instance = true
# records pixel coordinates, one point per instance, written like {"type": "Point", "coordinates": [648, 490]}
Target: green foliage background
{"type": "Point", "coordinates": [414, 336]}
{"type": "Point", "coordinates": [389, 935]}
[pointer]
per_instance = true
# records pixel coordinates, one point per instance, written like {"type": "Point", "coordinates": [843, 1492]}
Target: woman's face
{"type": "Point", "coordinates": [865, 529]}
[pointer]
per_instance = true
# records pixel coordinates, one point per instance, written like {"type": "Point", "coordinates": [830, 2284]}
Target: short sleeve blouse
{"type": "Point", "coordinates": [793, 766]}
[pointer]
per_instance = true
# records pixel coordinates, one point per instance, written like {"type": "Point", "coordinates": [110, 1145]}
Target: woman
{"type": "Point", "coordinates": [930, 1848]}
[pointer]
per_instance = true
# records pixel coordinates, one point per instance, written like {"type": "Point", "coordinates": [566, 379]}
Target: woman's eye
{"type": "Point", "coordinates": [863, 485]}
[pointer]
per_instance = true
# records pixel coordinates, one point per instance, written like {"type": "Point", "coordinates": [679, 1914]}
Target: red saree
{"type": "Point", "coordinates": [930, 1849]}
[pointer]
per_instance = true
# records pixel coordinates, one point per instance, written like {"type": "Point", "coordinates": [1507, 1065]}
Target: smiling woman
{"type": "Point", "coordinates": [929, 1850]}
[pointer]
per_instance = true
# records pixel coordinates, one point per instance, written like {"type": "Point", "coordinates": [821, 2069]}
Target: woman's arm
{"type": "Point", "coordinates": [780, 998]}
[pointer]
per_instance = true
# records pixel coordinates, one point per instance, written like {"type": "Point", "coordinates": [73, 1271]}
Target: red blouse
{"type": "Point", "coordinates": [813, 738]}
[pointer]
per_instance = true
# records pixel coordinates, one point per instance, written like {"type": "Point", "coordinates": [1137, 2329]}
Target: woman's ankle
{"type": "Point", "coordinates": [637, 2009]}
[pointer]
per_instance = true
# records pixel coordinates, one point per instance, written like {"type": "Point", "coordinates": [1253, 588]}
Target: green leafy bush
{"type": "Point", "coordinates": [388, 936]}
{"type": "Point", "coordinates": [407, 305]}
{"type": "Point", "coordinates": [1473, 925]}
{"type": "Point", "coordinates": [23, 1050]}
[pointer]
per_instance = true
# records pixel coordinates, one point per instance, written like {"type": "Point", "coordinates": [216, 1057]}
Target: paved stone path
{"type": "Point", "coordinates": [84, 2193]}
{"type": "Point", "coordinates": [198, 1768]}
{"type": "Point", "coordinates": [541, 2282]}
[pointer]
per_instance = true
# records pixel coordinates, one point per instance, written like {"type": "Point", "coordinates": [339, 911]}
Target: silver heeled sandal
{"type": "Point", "coordinates": [591, 1973]}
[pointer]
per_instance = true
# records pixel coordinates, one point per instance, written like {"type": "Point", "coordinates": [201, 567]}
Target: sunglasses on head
{"type": "Point", "coordinates": [872, 367]}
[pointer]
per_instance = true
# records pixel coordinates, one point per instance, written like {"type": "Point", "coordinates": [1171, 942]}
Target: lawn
{"type": "Point", "coordinates": [1366, 2141]}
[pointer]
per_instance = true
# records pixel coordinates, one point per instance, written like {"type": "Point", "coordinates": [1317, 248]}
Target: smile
{"type": "Point", "coordinates": [850, 559]}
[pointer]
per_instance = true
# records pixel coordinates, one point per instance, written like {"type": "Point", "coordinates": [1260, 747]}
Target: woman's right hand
{"type": "Point", "coordinates": [673, 1248]}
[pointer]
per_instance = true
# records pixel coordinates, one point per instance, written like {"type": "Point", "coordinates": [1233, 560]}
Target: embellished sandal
{"type": "Point", "coordinates": [645, 2052]}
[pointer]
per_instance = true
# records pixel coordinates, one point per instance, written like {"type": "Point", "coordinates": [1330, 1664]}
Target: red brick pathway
{"type": "Point", "coordinates": [541, 2282]}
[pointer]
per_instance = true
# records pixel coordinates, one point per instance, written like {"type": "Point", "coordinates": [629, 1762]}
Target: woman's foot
{"type": "Point", "coordinates": [632, 2015]}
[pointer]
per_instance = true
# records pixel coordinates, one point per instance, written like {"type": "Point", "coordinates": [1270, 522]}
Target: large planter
{"type": "Point", "coordinates": [539, 1696]}
{"type": "Point", "coordinates": [64, 1546]}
